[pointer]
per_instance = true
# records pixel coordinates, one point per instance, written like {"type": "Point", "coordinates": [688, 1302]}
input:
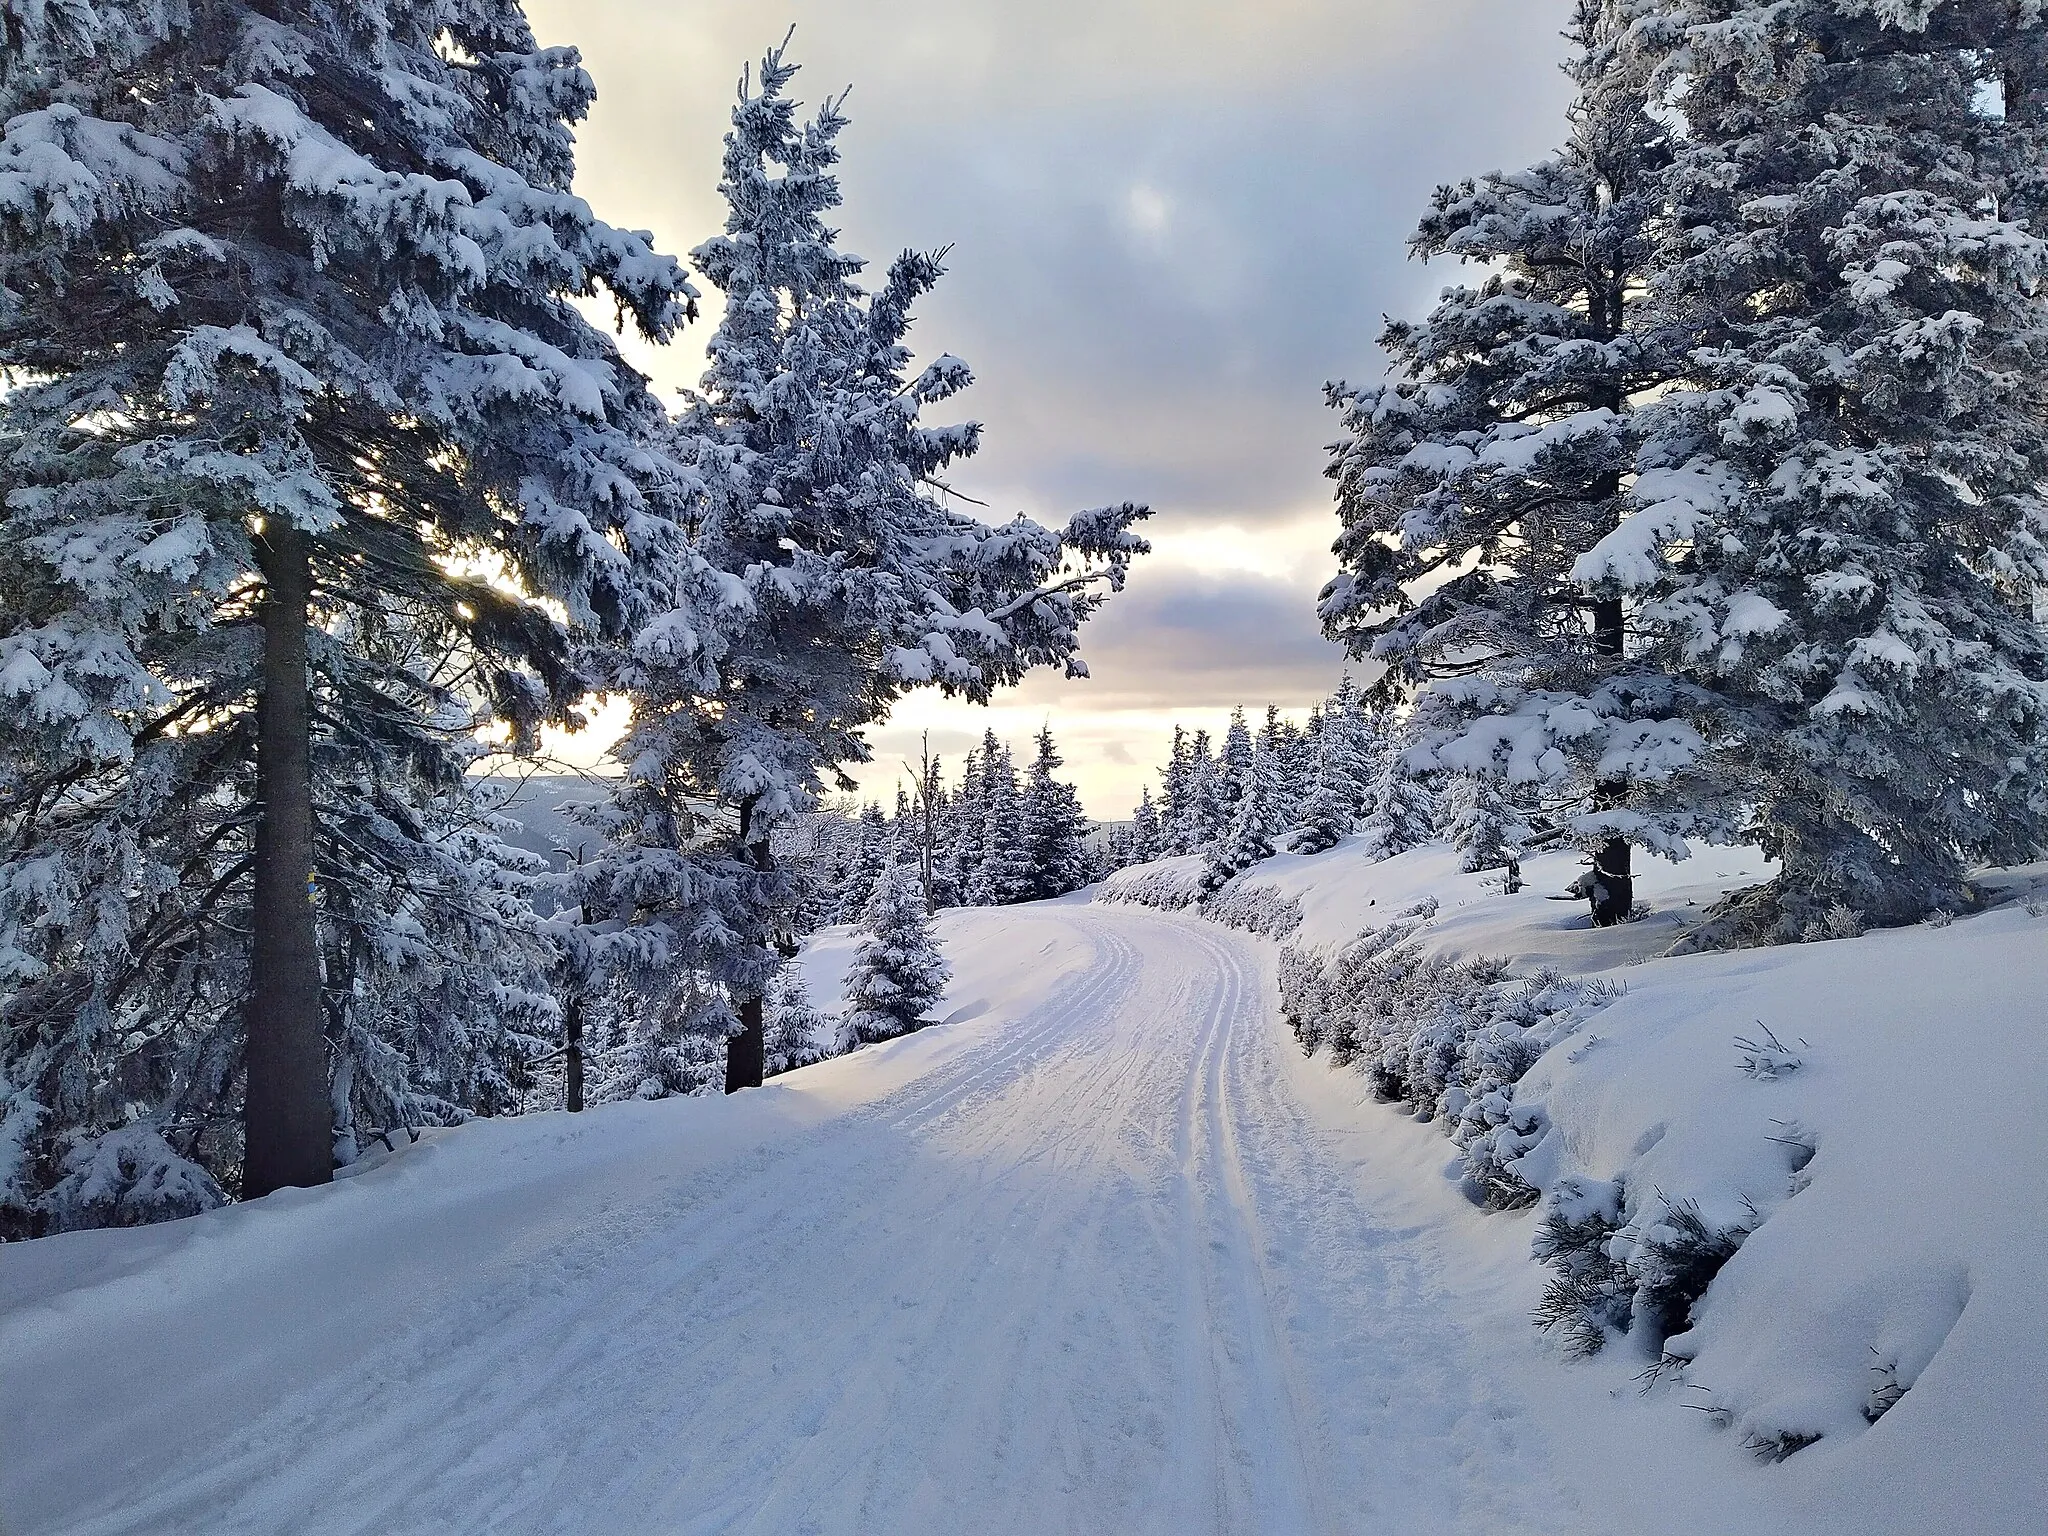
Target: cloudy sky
{"type": "Point", "coordinates": [1171, 222]}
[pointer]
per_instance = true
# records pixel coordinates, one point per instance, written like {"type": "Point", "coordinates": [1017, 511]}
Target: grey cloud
{"type": "Point", "coordinates": [1293, 147]}
{"type": "Point", "coordinates": [1183, 639]}
{"type": "Point", "coordinates": [1172, 221]}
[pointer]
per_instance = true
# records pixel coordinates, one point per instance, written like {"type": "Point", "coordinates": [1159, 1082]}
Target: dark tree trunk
{"type": "Point", "coordinates": [746, 1053]}
{"type": "Point", "coordinates": [287, 1117]}
{"type": "Point", "coordinates": [1613, 890]}
{"type": "Point", "coordinates": [572, 1050]}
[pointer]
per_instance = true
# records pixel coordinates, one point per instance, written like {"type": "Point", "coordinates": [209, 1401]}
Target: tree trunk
{"type": "Point", "coordinates": [288, 1122]}
{"type": "Point", "coordinates": [572, 1050]}
{"type": "Point", "coordinates": [1613, 893]}
{"type": "Point", "coordinates": [746, 1053]}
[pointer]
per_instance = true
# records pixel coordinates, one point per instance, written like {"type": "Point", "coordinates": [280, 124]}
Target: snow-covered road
{"type": "Point", "coordinates": [1088, 1262]}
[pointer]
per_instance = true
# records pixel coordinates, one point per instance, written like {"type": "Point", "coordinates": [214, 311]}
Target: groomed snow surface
{"type": "Point", "coordinates": [1104, 1253]}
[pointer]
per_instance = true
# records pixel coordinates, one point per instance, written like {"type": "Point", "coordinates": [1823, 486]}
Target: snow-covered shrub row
{"type": "Point", "coordinates": [1169, 884]}
{"type": "Point", "coordinates": [1254, 907]}
{"type": "Point", "coordinates": [1178, 884]}
{"type": "Point", "coordinates": [1448, 1036]}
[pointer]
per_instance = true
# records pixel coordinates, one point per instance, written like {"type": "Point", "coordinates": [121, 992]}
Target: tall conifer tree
{"type": "Point", "coordinates": [840, 576]}
{"type": "Point", "coordinates": [1837, 527]}
{"type": "Point", "coordinates": [307, 425]}
{"type": "Point", "coordinates": [1498, 455]}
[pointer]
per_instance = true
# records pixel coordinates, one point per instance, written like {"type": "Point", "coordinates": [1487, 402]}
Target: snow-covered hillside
{"type": "Point", "coordinates": [1854, 1118]}
{"type": "Point", "coordinates": [1105, 1251]}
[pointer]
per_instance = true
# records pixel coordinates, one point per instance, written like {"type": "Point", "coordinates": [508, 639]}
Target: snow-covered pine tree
{"type": "Point", "coordinates": [1235, 759]}
{"type": "Point", "coordinates": [1400, 812]}
{"type": "Point", "coordinates": [898, 971]}
{"type": "Point", "coordinates": [1476, 819]}
{"type": "Point", "coordinates": [1246, 841]}
{"type": "Point", "coordinates": [1498, 455]}
{"type": "Point", "coordinates": [1339, 778]}
{"type": "Point", "coordinates": [844, 578]}
{"type": "Point", "coordinates": [1145, 831]}
{"type": "Point", "coordinates": [666, 1043]}
{"type": "Point", "coordinates": [796, 1030]}
{"type": "Point", "coordinates": [1209, 803]}
{"type": "Point", "coordinates": [1281, 740]}
{"type": "Point", "coordinates": [1007, 867]}
{"type": "Point", "coordinates": [289, 305]}
{"type": "Point", "coordinates": [966, 827]}
{"type": "Point", "coordinates": [1838, 526]}
{"type": "Point", "coordinates": [1277, 799]}
{"type": "Point", "coordinates": [874, 851]}
{"type": "Point", "coordinates": [1055, 831]}
{"type": "Point", "coordinates": [1174, 808]}
{"type": "Point", "coordinates": [1329, 814]}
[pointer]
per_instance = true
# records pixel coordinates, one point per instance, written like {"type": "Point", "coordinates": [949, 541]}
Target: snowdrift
{"type": "Point", "coordinates": [1790, 1187]}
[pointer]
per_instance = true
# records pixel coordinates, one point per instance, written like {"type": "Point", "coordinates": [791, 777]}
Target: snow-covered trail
{"type": "Point", "coordinates": [1090, 1266]}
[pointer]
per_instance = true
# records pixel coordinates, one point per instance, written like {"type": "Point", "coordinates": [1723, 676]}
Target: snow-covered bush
{"type": "Point", "coordinates": [1169, 884]}
{"type": "Point", "coordinates": [1449, 1037]}
{"type": "Point", "coordinates": [1838, 922]}
{"type": "Point", "coordinates": [1255, 908]}
{"type": "Point", "coordinates": [1767, 1059]}
{"type": "Point", "coordinates": [126, 1178]}
{"type": "Point", "coordinates": [1588, 1298]}
{"type": "Point", "coordinates": [1612, 1275]}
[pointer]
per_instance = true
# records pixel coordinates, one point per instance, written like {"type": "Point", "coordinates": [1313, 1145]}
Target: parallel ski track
{"type": "Point", "coordinates": [1097, 1273]}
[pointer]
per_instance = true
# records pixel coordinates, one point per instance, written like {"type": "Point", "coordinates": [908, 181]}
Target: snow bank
{"type": "Point", "coordinates": [1795, 1187]}
{"type": "Point", "coordinates": [1881, 1157]}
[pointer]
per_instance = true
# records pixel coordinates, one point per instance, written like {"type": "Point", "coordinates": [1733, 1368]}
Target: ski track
{"type": "Point", "coordinates": [1097, 1272]}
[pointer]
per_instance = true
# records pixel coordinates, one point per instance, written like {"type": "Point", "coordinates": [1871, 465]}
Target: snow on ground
{"type": "Point", "coordinates": [1885, 1156]}
{"type": "Point", "coordinates": [1102, 1253]}
{"type": "Point", "coordinates": [1342, 891]}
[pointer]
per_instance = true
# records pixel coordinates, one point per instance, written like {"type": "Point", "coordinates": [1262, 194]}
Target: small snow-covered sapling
{"type": "Point", "coordinates": [1768, 1059]}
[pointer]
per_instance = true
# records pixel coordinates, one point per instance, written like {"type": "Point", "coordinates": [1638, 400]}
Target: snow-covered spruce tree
{"type": "Point", "coordinates": [898, 972]}
{"type": "Point", "coordinates": [1400, 812]}
{"type": "Point", "coordinates": [1175, 792]}
{"type": "Point", "coordinates": [1266, 775]}
{"type": "Point", "coordinates": [1209, 805]}
{"type": "Point", "coordinates": [1145, 832]}
{"type": "Point", "coordinates": [1498, 455]}
{"type": "Point", "coordinates": [796, 1030]}
{"type": "Point", "coordinates": [1838, 526]}
{"type": "Point", "coordinates": [966, 824]}
{"type": "Point", "coordinates": [1340, 776]}
{"type": "Point", "coordinates": [1476, 819]}
{"type": "Point", "coordinates": [1247, 841]}
{"type": "Point", "coordinates": [287, 305]}
{"type": "Point", "coordinates": [1055, 830]}
{"type": "Point", "coordinates": [666, 1043]}
{"type": "Point", "coordinates": [1235, 760]}
{"type": "Point", "coordinates": [841, 576]}
{"type": "Point", "coordinates": [873, 852]}
{"type": "Point", "coordinates": [1289, 764]}
{"type": "Point", "coordinates": [1006, 870]}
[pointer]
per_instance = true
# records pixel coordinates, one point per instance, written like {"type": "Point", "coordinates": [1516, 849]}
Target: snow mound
{"type": "Point", "coordinates": [1786, 1186]}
